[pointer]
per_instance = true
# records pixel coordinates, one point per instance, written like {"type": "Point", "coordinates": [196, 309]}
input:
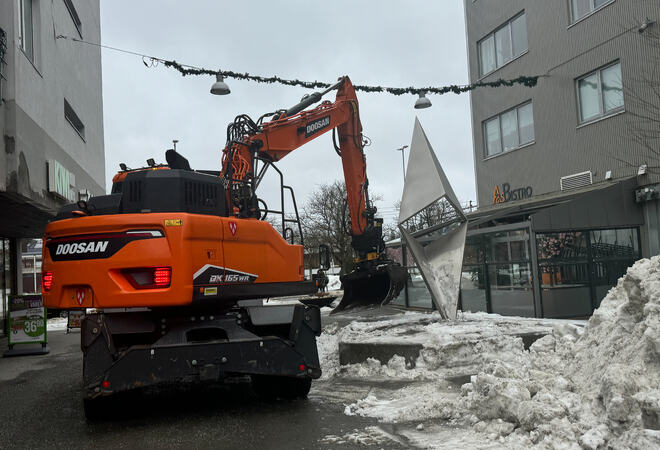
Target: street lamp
{"type": "Point", "coordinates": [219, 87]}
{"type": "Point", "coordinates": [422, 102]}
{"type": "Point", "coordinates": [403, 160]}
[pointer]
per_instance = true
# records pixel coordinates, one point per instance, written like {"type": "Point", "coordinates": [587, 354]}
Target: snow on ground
{"type": "Point", "coordinates": [333, 283]}
{"type": "Point", "coordinates": [369, 436]}
{"type": "Point", "coordinates": [56, 323]}
{"type": "Point", "coordinates": [593, 387]}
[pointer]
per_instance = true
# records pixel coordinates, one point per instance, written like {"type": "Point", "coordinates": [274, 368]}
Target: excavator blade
{"type": "Point", "coordinates": [376, 285]}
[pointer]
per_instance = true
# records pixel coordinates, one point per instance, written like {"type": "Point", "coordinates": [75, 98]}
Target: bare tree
{"type": "Point", "coordinates": [437, 214]}
{"type": "Point", "coordinates": [643, 105]}
{"type": "Point", "coordinates": [324, 221]}
{"type": "Point", "coordinates": [390, 228]}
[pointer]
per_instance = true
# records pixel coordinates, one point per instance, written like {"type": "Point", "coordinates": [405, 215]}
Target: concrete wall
{"type": "Point", "coordinates": [563, 147]}
{"type": "Point", "coordinates": [34, 126]}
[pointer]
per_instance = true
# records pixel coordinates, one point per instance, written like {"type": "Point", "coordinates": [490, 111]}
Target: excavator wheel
{"type": "Point", "coordinates": [270, 387]}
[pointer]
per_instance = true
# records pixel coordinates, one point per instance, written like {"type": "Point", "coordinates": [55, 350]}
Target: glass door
{"type": "Point", "coordinates": [564, 274]}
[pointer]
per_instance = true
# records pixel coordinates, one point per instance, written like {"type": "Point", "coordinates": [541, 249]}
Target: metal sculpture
{"type": "Point", "coordinates": [432, 224]}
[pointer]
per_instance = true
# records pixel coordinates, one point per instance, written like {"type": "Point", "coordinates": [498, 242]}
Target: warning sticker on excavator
{"type": "Point", "coordinates": [211, 291]}
{"type": "Point", "coordinates": [173, 222]}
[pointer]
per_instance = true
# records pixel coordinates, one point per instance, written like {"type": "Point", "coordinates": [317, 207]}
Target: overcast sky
{"type": "Point", "coordinates": [388, 43]}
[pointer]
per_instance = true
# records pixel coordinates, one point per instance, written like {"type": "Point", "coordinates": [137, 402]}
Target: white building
{"type": "Point", "coordinates": [51, 115]}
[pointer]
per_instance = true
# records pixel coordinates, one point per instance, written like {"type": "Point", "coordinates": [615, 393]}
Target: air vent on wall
{"type": "Point", "coordinates": [577, 180]}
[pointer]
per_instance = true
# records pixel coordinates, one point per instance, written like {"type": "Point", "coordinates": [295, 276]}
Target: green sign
{"type": "Point", "coordinates": [60, 180]}
{"type": "Point", "coordinates": [27, 320]}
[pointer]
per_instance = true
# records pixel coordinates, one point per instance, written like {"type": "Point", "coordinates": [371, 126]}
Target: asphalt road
{"type": "Point", "coordinates": [41, 407]}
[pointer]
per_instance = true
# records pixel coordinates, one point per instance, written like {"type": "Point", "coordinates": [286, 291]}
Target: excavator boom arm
{"type": "Point", "coordinates": [286, 133]}
{"type": "Point", "coordinates": [374, 279]}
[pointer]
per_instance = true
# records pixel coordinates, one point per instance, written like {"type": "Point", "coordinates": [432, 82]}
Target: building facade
{"type": "Point", "coordinates": [566, 172]}
{"type": "Point", "coordinates": [51, 114]}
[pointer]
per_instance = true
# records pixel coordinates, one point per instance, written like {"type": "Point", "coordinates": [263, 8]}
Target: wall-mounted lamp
{"type": "Point", "coordinates": [647, 23]}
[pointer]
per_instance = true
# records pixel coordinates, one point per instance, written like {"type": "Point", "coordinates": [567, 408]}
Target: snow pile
{"type": "Point", "coordinates": [414, 402]}
{"type": "Point", "coordinates": [599, 389]}
{"type": "Point", "coordinates": [596, 389]}
{"type": "Point", "coordinates": [57, 323]}
{"type": "Point", "coordinates": [328, 348]}
{"type": "Point", "coordinates": [448, 349]}
{"type": "Point", "coordinates": [333, 283]}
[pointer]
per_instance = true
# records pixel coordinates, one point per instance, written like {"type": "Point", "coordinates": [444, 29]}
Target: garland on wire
{"type": "Point", "coordinates": [528, 81]}
{"type": "Point", "coordinates": [152, 61]}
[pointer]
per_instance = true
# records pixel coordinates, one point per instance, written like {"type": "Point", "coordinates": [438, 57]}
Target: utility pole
{"type": "Point", "coordinates": [403, 160]}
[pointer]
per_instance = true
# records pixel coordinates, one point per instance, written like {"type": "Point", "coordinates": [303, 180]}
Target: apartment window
{"type": "Point", "coordinates": [581, 8]}
{"type": "Point", "coordinates": [74, 120]}
{"type": "Point", "coordinates": [509, 130]}
{"type": "Point", "coordinates": [26, 27]}
{"type": "Point", "coordinates": [600, 93]}
{"type": "Point", "coordinates": [74, 16]}
{"type": "Point", "coordinates": [504, 44]}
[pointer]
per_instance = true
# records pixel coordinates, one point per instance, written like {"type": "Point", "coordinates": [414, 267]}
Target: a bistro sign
{"type": "Point", "coordinates": [506, 194]}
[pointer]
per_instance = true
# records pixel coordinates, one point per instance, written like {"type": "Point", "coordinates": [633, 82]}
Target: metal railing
{"type": "Point", "coordinates": [287, 232]}
{"type": "Point", "coordinates": [468, 207]}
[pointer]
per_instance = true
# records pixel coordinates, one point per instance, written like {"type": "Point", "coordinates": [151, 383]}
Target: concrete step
{"type": "Point", "coordinates": [359, 352]}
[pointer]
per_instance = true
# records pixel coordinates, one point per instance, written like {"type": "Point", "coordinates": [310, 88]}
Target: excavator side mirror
{"type": "Point", "coordinates": [324, 256]}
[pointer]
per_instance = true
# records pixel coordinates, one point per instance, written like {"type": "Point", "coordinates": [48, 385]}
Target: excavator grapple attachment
{"type": "Point", "coordinates": [376, 285]}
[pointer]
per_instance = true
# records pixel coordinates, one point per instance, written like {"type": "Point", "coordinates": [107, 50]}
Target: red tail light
{"type": "Point", "coordinates": [46, 281]}
{"type": "Point", "coordinates": [162, 277]}
{"type": "Point", "coordinates": [149, 277]}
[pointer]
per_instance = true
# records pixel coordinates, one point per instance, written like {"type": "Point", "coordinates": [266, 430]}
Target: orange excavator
{"type": "Point", "coordinates": [175, 263]}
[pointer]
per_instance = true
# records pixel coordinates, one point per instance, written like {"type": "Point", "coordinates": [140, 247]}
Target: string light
{"type": "Point", "coordinates": [188, 70]}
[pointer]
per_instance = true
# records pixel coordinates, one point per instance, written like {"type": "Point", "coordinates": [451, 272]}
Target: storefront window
{"type": "Point", "coordinates": [497, 274]}
{"type": "Point", "coordinates": [564, 274]}
{"type": "Point", "coordinates": [31, 265]}
{"type": "Point", "coordinates": [5, 281]}
{"type": "Point", "coordinates": [557, 246]}
{"type": "Point", "coordinates": [476, 248]}
{"type": "Point", "coordinates": [577, 268]}
{"type": "Point", "coordinates": [613, 251]}
{"type": "Point", "coordinates": [621, 243]}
